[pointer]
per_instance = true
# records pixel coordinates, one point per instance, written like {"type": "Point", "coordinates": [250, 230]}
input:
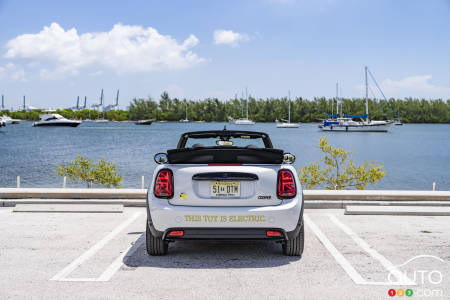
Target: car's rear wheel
{"type": "Point", "coordinates": [294, 247]}
{"type": "Point", "coordinates": [155, 246]}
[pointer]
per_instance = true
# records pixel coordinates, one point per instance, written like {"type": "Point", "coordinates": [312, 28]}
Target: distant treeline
{"type": "Point", "coordinates": [33, 115]}
{"type": "Point", "coordinates": [264, 110]}
{"type": "Point", "coordinates": [302, 110]}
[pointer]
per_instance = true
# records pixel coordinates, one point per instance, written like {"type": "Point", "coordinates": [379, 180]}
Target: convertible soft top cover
{"type": "Point", "coordinates": [225, 155]}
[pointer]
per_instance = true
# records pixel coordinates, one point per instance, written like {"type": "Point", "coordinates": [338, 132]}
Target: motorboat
{"type": "Point", "coordinates": [10, 120]}
{"type": "Point", "coordinates": [55, 120]}
{"type": "Point", "coordinates": [2, 123]}
{"type": "Point", "coordinates": [144, 122]}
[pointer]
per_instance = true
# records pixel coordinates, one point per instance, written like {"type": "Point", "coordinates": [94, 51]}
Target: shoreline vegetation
{"type": "Point", "coordinates": [410, 110]}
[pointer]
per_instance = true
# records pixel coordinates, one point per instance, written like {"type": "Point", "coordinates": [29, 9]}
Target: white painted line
{"type": "Point", "coordinates": [89, 253]}
{"type": "Point", "coordinates": [402, 278]}
{"type": "Point", "coordinates": [118, 262]}
{"type": "Point", "coordinates": [77, 279]}
{"type": "Point", "coordinates": [341, 260]}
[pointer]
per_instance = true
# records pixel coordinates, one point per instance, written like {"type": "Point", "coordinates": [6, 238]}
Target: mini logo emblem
{"type": "Point", "coordinates": [264, 197]}
{"type": "Point", "coordinates": [183, 196]}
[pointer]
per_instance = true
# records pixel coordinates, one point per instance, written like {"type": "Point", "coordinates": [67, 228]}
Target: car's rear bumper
{"type": "Point", "coordinates": [225, 234]}
{"type": "Point", "coordinates": [230, 223]}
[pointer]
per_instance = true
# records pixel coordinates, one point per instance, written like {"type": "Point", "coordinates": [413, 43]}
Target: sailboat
{"type": "Point", "coordinates": [186, 120]}
{"type": "Point", "coordinates": [348, 124]}
{"type": "Point", "coordinates": [244, 121]}
{"type": "Point", "coordinates": [288, 124]}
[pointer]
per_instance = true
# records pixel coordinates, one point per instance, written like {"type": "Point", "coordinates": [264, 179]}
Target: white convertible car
{"type": "Point", "coordinates": [225, 185]}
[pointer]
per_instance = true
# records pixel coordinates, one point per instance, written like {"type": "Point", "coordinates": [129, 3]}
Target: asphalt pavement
{"type": "Point", "coordinates": [83, 255]}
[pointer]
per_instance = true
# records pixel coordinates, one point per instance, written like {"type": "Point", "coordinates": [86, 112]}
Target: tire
{"type": "Point", "coordinates": [294, 247]}
{"type": "Point", "coordinates": [155, 246]}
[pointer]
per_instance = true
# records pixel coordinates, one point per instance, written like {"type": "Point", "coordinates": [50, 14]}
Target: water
{"type": "Point", "coordinates": [414, 155]}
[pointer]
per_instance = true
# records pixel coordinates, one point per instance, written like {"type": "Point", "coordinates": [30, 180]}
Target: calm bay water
{"type": "Point", "coordinates": [414, 155]}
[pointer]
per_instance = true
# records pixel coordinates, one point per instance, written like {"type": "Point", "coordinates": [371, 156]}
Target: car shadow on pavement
{"type": "Point", "coordinates": [210, 255]}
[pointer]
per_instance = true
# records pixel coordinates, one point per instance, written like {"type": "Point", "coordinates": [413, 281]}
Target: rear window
{"type": "Point", "coordinates": [242, 141]}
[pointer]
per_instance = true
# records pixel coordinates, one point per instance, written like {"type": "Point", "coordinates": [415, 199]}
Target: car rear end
{"type": "Point", "coordinates": [229, 201]}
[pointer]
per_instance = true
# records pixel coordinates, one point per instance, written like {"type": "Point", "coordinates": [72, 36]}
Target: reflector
{"type": "Point", "coordinates": [272, 233]}
{"type": "Point", "coordinates": [176, 233]}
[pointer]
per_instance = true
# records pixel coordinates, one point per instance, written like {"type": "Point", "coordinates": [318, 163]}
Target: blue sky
{"type": "Point", "coordinates": [199, 49]}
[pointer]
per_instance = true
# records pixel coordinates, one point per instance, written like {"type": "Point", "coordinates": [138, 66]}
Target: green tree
{"type": "Point", "coordinates": [339, 171]}
{"type": "Point", "coordinates": [83, 170]}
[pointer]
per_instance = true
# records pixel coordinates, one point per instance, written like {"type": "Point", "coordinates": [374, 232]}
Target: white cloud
{"type": "Point", "coordinates": [229, 37]}
{"type": "Point", "coordinates": [123, 49]}
{"type": "Point", "coordinates": [414, 86]}
{"type": "Point", "coordinates": [12, 71]}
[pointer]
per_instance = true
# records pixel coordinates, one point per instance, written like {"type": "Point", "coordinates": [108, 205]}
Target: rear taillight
{"type": "Point", "coordinates": [286, 184]}
{"type": "Point", "coordinates": [164, 184]}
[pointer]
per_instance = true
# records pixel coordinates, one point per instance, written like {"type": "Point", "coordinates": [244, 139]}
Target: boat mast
{"type": "Point", "coordinates": [3, 102]}
{"type": "Point", "coordinates": [289, 106]}
{"type": "Point", "coordinates": [186, 111]}
{"type": "Point", "coordinates": [367, 95]}
{"type": "Point", "coordinates": [103, 106]}
{"type": "Point", "coordinates": [24, 106]}
{"type": "Point", "coordinates": [242, 106]}
{"type": "Point", "coordinates": [337, 99]}
{"type": "Point", "coordinates": [246, 96]}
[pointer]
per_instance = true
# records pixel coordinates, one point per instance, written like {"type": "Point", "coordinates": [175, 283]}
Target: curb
{"type": "Point", "coordinates": [309, 204]}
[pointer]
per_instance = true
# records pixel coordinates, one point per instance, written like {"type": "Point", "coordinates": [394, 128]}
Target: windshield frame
{"type": "Point", "coordinates": [225, 134]}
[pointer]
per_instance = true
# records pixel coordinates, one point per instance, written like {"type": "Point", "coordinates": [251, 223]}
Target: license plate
{"type": "Point", "coordinates": [225, 189]}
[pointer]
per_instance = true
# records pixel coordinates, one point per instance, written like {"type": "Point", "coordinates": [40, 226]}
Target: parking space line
{"type": "Point", "coordinates": [401, 277]}
{"type": "Point", "coordinates": [61, 276]}
{"type": "Point", "coordinates": [118, 262]}
{"type": "Point", "coordinates": [341, 260]}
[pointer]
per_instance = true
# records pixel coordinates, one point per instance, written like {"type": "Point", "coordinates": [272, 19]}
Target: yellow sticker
{"type": "Point", "coordinates": [183, 196]}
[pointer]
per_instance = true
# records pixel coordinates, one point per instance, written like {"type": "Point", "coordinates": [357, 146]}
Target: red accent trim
{"type": "Point", "coordinates": [271, 233]}
{"type": "Point", "coordinates": [176, 233]}
{"type": "Point", "coordinates": [225, 164]}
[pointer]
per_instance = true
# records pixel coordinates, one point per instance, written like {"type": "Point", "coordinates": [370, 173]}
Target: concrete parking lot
{"type": "Point", "coordinates": [53, 255]}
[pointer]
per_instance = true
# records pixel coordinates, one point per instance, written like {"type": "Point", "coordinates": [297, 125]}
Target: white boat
{"type": "Point", "coordinates": [10, 120]}
{"type": "Point", "coordinates": [288, 124]}
{"type": "Point", "coordinates": [348, 124]}
{"type": "Point", "coordinates": [186, 120]}
{"type": "Point", "coordinates": [244, 121]}
{"type": "Point", "coordinates": [55, 120]}
{"type": "Point", "coordinates": [2, 123]}
{"type": "Point", "coordinates": [101, 121]}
